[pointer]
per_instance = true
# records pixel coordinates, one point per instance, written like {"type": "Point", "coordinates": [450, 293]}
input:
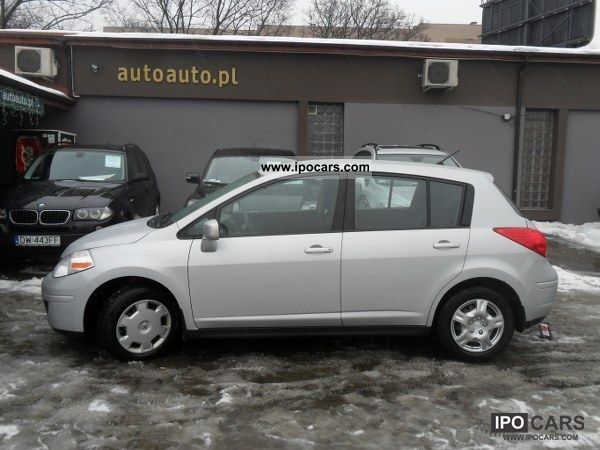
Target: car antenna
{"type": "Point", "coordinates": [441, 162]}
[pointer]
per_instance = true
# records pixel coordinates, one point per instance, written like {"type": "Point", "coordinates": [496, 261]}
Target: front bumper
{"type": "Point", "coordinates": [65, 299]}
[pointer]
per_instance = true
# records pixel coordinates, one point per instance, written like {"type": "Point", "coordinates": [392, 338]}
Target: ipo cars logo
{"type": "Point", "coordinates": [533, 423]}
{"type": "Point", "coordinates": [510, 422]}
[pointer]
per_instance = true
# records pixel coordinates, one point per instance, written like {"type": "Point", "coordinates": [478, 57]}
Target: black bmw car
{"type": "Point", "coordinates": [70, 192]}
{"type": "Point", "coordinates": [229, 164]}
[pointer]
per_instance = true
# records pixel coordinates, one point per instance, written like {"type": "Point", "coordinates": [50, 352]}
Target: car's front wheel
{"type": "Point", "coordinates": [476, 324]}
{"type": "Point", "coordinates": [139, 323]}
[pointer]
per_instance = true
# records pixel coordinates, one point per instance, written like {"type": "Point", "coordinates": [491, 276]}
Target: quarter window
{"type": "Point", "coordinates": [445, 201]}
{"type": "Point", "coordinates": [295, 206]}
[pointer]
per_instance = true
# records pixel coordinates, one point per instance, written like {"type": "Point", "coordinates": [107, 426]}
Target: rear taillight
{"type": "Point", "coordinates": [529, 238]}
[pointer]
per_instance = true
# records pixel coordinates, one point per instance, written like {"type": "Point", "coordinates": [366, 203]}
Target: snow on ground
{"type": "Point", "coordinates": [361, 392]}
{"type": "Point", "coordinates": [31, 286]}
{"type": "Point", "coordinates": [573, 281]}
{"type": "Point", "coordinates": [587, 234]}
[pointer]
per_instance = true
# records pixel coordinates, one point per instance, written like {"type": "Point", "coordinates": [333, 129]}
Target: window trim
{"type": "Point", "coordinates": [465, 207]}
{"type": "Point", "coordinates": [337, 225]}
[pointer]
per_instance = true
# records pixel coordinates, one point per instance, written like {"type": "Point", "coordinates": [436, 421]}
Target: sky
{"type": "Point", "coordinates": [438, 11]}
{"type": "Point", "coordinates": [433, 11]}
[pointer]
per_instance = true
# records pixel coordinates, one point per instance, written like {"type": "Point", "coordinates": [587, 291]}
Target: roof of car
{"type": "Point", "coordinates": [90, 147]}
{"type": "Point", "coordinates": [408, 168]}
{"type": "Point", "coordinates": [383, 150]}
{"type": "Point", "coordinates": [253, 151]}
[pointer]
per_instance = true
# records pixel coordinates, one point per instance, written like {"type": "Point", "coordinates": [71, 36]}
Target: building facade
{"type": "Point", "coordinates": [528, 117]}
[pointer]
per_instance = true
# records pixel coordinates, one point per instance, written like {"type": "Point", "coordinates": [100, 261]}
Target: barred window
{"type": "Point", "coordinates": [537, 161]}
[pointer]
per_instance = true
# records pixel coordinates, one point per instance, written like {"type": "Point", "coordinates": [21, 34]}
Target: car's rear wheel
{"type": "Point", "coordinates": [476, 324]}
{"type": "Point", "coordinates": [139, 323]}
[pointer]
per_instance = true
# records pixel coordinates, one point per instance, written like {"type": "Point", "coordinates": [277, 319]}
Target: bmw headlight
{"type": "Point", "coordinates": [2, 214]}
{"type": "Point", "coordinates": [97, 214]}
{"type": "Point", "coordinates": [73, 263]}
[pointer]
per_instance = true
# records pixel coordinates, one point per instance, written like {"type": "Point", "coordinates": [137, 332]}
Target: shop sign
{"type": "Point", "coordinates": [191, 75]}
{"type": "Point", "coordinates": [20, 101]}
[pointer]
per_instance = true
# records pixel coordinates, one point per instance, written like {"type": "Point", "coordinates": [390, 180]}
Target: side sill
{"type": "Point", "coordinates": [307, 331]}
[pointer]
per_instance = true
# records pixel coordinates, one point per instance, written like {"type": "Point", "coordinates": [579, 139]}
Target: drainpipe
{"type": "Point", "coordinates": [518, 120]}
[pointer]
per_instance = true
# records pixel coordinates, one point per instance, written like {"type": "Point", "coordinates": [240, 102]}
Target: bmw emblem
{"type": "Point", "coordinates": [41, 205]}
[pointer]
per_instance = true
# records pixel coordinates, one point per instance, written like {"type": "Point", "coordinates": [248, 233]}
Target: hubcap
{"type": "Point", "coordinates": [477, 325]}
{"type": "Point", "coordinates": [144, 326]}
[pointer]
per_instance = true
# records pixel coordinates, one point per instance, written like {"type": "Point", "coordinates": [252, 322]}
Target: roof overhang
{"type": "Point", "coordinates": [52, 97]}
{"type": "Point", "coordinates": [589, 54]}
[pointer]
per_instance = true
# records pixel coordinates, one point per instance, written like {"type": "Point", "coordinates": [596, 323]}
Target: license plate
{"type": "Point", "coordinates": [37, 241]}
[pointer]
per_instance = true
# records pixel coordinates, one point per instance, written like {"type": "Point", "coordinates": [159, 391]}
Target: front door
{"type": "Point", "coordinates": [277, 261]}
{"type": "Point", "coordinates": [401, 253]}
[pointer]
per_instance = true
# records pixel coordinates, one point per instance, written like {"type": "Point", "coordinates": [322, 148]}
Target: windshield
{"type": "Point", "coordinates": [83, 165]}
{"type": "Point", "coordinates": [227, 169]}
{"type": "Point", "coordinates": [165, 220]}
{"type": "Point", "coordinates": [426, 159]}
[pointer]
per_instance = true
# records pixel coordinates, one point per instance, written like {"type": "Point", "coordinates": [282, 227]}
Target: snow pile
{"type": "Point", "coordinates": [31, 286]}
{"type": "Point", "coordinates": [572, 281]}
{"type": "Point", "coordinates": [8, 431]}
{"type": "Point", "coordinates": [587, 234]}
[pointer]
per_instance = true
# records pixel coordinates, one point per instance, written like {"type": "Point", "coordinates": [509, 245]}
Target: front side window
{"type": "Point", "coordinates": [294, 206]}
{"type": "Point", "coordinates": [82, 165]}
{"type": "Point", "coordinates": [389, 203]}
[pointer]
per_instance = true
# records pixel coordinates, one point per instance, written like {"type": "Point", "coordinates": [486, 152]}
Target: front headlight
{"type": "Point", "coordinates": [97, 214]}
{"type": "Point", "coordinates": [2, 214]}
{"type": "Point", "coordinates": [191, 201]}
{"type": "Point", "coordinates": [73, 263]}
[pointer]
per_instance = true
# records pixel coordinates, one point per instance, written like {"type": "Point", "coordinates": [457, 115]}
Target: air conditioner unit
{"type": "Point", "coordinates": [35, 62]}
{"type": "Point", "coordinates": [440, 74]}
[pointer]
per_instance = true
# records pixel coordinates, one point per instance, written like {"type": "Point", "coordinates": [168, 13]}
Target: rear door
{"type": "Point", "coordinates": [408, 239]}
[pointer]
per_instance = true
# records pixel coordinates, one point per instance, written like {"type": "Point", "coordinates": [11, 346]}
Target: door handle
{"type": "Point", "coordinates": [317, 249]}
{"type": "Point", "coordinates": [445, 244]}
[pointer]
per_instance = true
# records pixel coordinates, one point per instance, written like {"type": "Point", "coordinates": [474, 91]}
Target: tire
{"type": "Point", "coordinates": [139, 323]}
{"type": "Point", "coordinates": [471, 335]}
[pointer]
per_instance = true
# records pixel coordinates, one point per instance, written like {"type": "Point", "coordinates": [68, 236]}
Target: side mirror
{"type": "Point", "coordinates": [192, 178]}
{"type": "Point", "coordinates": [210, 236]}
{"type": "Point", "coordinates": [140, 177]}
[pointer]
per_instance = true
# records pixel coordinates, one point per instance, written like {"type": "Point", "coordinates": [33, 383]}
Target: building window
{"type": "Point", "coordinates": [325, 130]}
{"type": "Point", "coordinates": [537, 161]}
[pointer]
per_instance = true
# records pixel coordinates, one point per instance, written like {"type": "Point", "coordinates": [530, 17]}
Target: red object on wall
{"type": "Point", "coordinates": [27, 149]}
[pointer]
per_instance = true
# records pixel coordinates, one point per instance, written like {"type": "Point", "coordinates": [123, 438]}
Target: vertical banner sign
{"type": "Point", "coordinates": [20, 101]}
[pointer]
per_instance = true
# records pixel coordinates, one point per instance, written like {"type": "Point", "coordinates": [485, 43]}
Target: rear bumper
{"type": "Point", "coordinates": [540, 300]}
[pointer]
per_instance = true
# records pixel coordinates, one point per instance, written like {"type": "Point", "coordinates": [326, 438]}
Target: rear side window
{"type": "Point", "coordinates": [389, 203]}
{"type": "Point", "coordinates": [445, 200]}
{"type": "Point", "coordinates": [404, 203]}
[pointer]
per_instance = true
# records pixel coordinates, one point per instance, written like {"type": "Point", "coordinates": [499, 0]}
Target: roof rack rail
{"type": "Point", "coordinates": [431, 146]}
{"type": "Point", "coordinates": [370, 144]}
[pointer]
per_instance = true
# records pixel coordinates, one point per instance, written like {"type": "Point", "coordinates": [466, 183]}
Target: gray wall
{"type": "Point", "coordinates": [179, 135]}
{"type": "Point", "coordinates": [484, 139]}
{"type": "Point", "coordinates": [581, 188]}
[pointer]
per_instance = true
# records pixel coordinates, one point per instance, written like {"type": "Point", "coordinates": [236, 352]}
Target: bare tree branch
{"type": "Point", "coordinates": [362, 19]}
{"type": "Point", "coordinates": [47, 14]}
{"type": "Point", "coordinates": [249, 17]}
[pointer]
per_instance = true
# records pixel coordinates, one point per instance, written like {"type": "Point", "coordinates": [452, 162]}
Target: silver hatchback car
{"type": "Point", "coordinates": [404, 249]}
